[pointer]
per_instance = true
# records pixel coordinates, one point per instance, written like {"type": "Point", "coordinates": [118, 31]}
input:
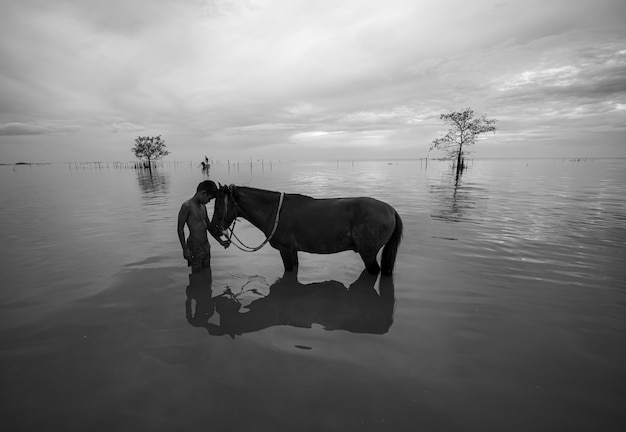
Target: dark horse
{"type": "Point", "coordinates": [293, 222]}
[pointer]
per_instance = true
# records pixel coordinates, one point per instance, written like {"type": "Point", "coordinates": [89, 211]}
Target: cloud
{"type": "Point", "coordinates": [126, 127]}
{"type": "Point", "coordinates": [15, 129]}
{"type": "Point", "coordinates": [252, 76]}
{"type": "Point", "coordinates": [579, 83]}
{"type": "Point", "coordinates": [315, 134]}
{"type": "Point", "coordinates": [264, 127]}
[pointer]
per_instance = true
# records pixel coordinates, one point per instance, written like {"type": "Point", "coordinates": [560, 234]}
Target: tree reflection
{"type": "Point", "coordinates": [153, 183]}
{"type": "Point", "coordinates": [455, 199]}
{"type": "Point", "coordinates": [358, 309]}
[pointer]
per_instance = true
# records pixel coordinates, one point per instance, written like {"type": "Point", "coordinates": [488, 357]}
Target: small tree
{"type": "Point", "coordinates": [464, 129]}
{"type": "Point", "coordinates": [149, 149]}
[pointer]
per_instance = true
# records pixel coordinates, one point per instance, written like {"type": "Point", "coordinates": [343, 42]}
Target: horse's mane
{"type": "Point", "coordinates": [235, 188]}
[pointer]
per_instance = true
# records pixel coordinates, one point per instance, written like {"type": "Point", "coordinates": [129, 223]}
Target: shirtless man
{"type": "Point", "coordinates": [196, 250]}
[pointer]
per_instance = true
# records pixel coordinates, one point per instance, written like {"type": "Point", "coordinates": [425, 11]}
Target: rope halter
{"type": "Point", "coordinates": [242, 246]}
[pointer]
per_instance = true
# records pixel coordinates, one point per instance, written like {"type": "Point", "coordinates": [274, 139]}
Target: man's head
{"type": "Point", "coordinates": [206, 191]}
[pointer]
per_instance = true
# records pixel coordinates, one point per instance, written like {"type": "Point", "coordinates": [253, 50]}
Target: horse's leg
{"type": "Point", "coordinates": [364, 284]}
{"type": "Point", "coordinates": [368, 239]}
{"type": "Point", "coordinates": [290, 259]}
{"type": "Point", "coordinates": [370, 263]}
{"type": "Point", "coordinates": [287, 260]}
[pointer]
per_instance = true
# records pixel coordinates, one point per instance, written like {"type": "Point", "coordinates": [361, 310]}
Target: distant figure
{"type": "Point", "coordinates": [205, 164]}
{"type": "Point", "coordinates": [196, 250]}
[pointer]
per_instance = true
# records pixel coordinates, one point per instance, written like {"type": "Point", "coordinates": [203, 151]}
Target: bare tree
{"type": "Point", "coordinates": [149, 149]}
{"type": "Point", "coordinates": [464, 129]}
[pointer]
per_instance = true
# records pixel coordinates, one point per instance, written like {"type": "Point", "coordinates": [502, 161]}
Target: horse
{"type": "Point", "coordinates": [294, 222]}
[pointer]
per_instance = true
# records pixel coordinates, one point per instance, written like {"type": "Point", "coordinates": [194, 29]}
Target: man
{"type": "Point", "coordinates": [196, 250]}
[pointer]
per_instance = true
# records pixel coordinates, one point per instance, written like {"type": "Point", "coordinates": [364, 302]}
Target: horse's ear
{"type": "Point", "coordinates": [232, 191]}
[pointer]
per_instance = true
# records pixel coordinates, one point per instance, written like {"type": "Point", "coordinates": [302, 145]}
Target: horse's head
{"type": "Point", "coordinates": [225, 210]}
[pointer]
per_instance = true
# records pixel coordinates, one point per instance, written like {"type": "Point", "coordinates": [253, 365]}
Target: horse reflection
{"type": "Point", "coordinates": [358, 309]}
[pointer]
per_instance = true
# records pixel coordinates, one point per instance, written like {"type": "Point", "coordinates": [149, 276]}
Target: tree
{"type": "Point", "coordinates": [464, 129]}
{"type": "Point", "coordinates": [149, 149]}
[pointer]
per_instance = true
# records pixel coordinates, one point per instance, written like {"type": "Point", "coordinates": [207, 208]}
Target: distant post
{"type": "Point", "coordinates": [464, 129]}
{"type": "Point", "coordinates": [149, 149]}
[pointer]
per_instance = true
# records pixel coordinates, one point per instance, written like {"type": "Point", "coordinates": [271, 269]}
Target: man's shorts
{"type": "Point", "coordinates": [201, 254]}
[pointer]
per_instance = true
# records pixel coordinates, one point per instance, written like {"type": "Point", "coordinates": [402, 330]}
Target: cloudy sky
{"type": "Point", "coordinates": [308, 79]}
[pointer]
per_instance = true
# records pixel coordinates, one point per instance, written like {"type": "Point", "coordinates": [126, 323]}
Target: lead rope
{"type": "Point", "coordinates": [246, 248]}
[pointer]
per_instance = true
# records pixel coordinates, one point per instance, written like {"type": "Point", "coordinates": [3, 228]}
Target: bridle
{"type": "Point", "coordinates": [231, 229]}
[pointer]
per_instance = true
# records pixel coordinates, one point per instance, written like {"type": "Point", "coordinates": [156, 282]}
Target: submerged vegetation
{"type": "Point", "coordinates": [149, 149]}
{"type": "Point", "coordinates": [463, 131]}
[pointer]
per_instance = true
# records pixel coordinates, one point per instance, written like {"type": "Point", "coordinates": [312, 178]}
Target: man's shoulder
{"type": "Point", "coordinates": [186, 205]}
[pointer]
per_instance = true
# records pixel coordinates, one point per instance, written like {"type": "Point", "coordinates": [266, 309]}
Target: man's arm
{"type": "Point", "coordinates": [182, 219]}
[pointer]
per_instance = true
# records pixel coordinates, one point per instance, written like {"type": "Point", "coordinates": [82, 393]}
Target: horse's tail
{"type": "Point", "coordinates": [391, 248]}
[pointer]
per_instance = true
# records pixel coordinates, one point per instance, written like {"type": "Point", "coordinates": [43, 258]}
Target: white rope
{"type": "Point", "coordinates": [246, 248]}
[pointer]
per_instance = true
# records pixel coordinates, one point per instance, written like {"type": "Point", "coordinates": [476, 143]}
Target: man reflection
{"type": "Point", "coordinates": [199, 291]}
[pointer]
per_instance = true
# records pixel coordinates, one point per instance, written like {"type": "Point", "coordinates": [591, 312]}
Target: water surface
{"type": "Point", "coordinates": [506, 311]}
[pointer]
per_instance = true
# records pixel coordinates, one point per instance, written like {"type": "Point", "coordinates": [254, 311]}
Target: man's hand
{"type": "Point", "coordinates": [187, 254]}
{"type": "Point", "coordinates": [217, 235]}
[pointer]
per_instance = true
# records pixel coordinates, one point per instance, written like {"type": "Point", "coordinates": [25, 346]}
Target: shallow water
{"type": "Point", "coordinates": [506, 311]}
